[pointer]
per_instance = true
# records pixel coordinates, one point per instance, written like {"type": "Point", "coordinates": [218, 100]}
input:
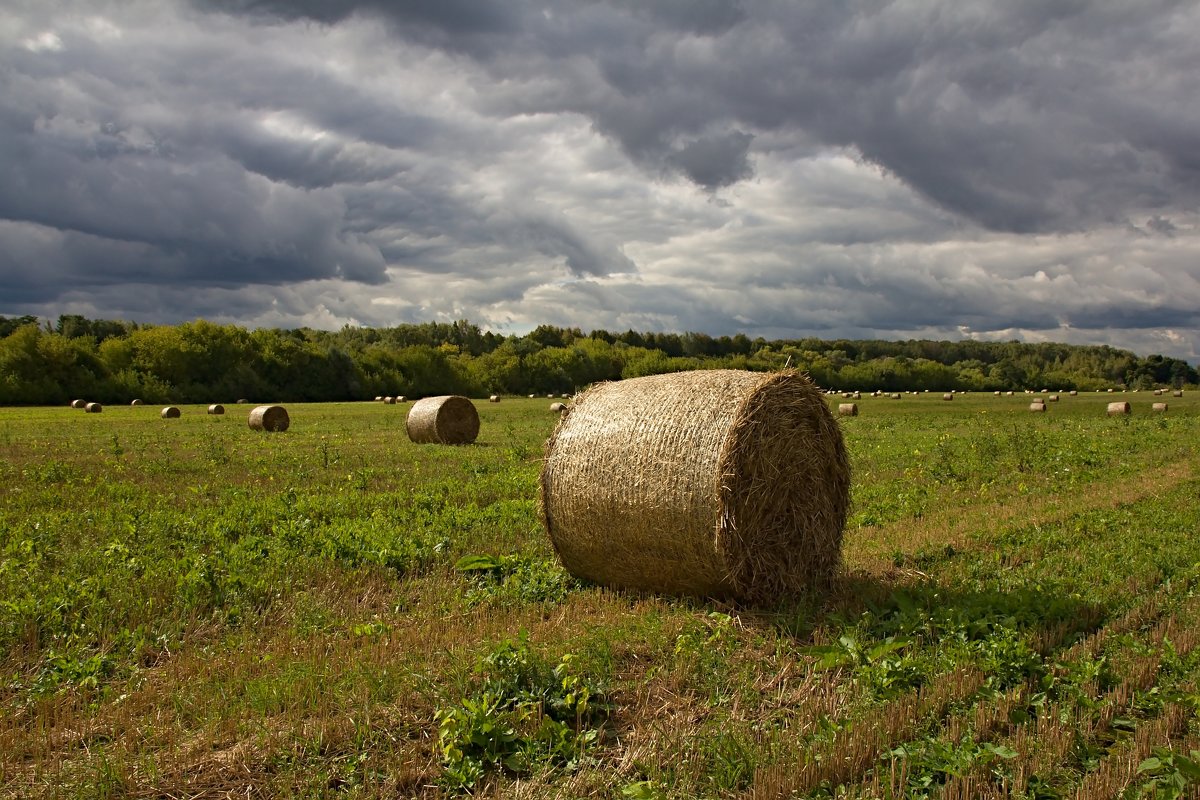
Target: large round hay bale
{"type": "Point", "coordinates": [93, 408]}
{"type": "Point", "coordinates": [494, 398]}
{"type": "Point", "coordinates": [135, 402]}
{"type": "Point", "coordinates": [720, 483]}
{"type": "Point", "coordinates": [216, 409]}
{"type": "Point", "coordinates": [170, 412]}
{"type": "Point", "coordinates": [558, 408]}
{"type": "Point", "coordinates": [1118, 408]}
{"type": "Point", "coordinates": [273, 419]}
{"type": "Point", "coordinates": [1037, 405]}
{"type": "Point", "coordinates": [1159, 407]}
{"type": "Point", "coordinates": [79, 404]}
{"type": "Point", "coordinates": [449, 419]}
{"type": "Point", "coordinates": [389, 400]}
{"type": "Point", "coordinates": [848, 409]}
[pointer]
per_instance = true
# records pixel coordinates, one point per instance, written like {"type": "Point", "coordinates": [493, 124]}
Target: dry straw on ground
{"type": "Point", "coordinates": [273, 419]}
{"type": "Point", "coordinates": [93, 408]}
{"type": "Point", "coordinates": [848, 409]}
{"type": "Point", "coordinates": [449, 419]}
{"type": "Point", "coordinates": [216, 409]}
{"type": "Point", "coordinates": [1118, 408]}
{"type": "Point", "coordinates": [718, 483]}
{"type": "Point", "coordinates": [170, 412]}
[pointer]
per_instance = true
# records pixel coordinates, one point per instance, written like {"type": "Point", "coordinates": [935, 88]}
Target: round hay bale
{"type": "Point", "coordinates": [242, 401]}
{"type": "Point", "coordinates": [135, 402]}
{"type": "Point", "coordinates": [216, 409]}
{"type": "Point", "coordinates": [400, 398]}
{"type": "Point", "coordinates": [378, 398]}
{"type": "Point", "coordinates": [997, 394]}
{"type": "Point", "coordinates": [549, 397]}
{"type": "Point", "coordinates": [79, 404]}
{"type": "Point", "coordinates": [1118, 408]}
{"type": "Point", "coordinates": [558, 408]}
{"type": "Point", "coordinates": [532, 396]}
{"type": "Point", "coordinates": [1053, 398]}
{"type": "Point", "coordinates": [848, 409]}
{"type": "Point", "coordinates": [1158, 392]}
{"type": "Point", "coordinates": [170, 412]}
{"type": "Point", "coordinates": [1159, 407]}
{"type": "Point", "coordinates": [1008, 394]}
{"type": "Point", "coordinates": [494, 398]}
{"type": "Point", "coordinates": [948, 396]}
{"type": "Point", "coordinates": [896, 396]}
{"type": "Point", "coordinates": [1074, 393]}
{"type": "Point", "coordinates": [93, 408]}
{"type": "Point", "coordinates": [1037, 405]}
{"type": "Point", "coordinates": [1177, 393]}
{"type": "Point", "coordinates": [273, 419]}
{"type": "Point", "coordinates": [715, 483]}
{"type": "Point", "coordinates": [565, 395]}
{"type": "Point", "coordinates": [389, 400]}
{"type": "Point", "coordinates": [449, 419]}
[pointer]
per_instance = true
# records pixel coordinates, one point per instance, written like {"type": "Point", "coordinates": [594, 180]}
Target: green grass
{"type": "Point", "coordinates": [190, 607]}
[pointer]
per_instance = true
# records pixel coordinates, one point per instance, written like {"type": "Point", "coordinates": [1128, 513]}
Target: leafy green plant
{"type": "Point", "coordinates": [515, 579]}
{"type": "Point", "coordinates": [1168, 775]}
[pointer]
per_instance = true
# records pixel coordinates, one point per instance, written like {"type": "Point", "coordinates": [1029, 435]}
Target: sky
{"type": "Point", "coordinates": [918, 169]}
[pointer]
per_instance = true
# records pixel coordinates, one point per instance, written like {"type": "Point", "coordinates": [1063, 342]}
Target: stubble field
{"type": "Point", "coordinates": [189, 608]}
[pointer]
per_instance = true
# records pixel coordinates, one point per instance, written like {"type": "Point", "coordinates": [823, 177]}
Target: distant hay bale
{"type": "Point", "coordinates": [848, 409]}
{"type": "Point", "coordinates": [1037, 405]}
{"type": "Point", "coordinates": [558, 408]}
{"type": "Point", "coordinates": [948, 396]}
{"type": "Point", "coordinates": [216, 409]}
{"type": "Point", "coordinates": [1053, 398]}
{"type": "Point", "coordinates": [242, 401]}
{"type": "Point", "coordinates": [1118, 408]}
{"type": "Point", "coordinates": [93, 408]}
{"type": "Point", "coordinates": [378, 398]}
{"type": "Point", "coordinates": [79, 404]}
{"type": "Point", "coordinates": [565, 395]}
{"type": "Point", "coordinates": [896, 396]}
{"type": "Point", "coordinates": [549, 397]}
{"type": "Point", "coordinates": [1110, 391]}
{"type": "Point", "coordinates": [273, 419]}
{"type": "Point", "coordinates": [494, 398]}
{"type": "Point", "coordinates": [1008, 394]}
{"type": "Point", "coordinates": [135, 402]}
{"type": "Point", "coordinates": [532, 396]}
{"type": "Point", "coordinates": [449, 419]}
{"type": "Point", "coordinates": [716, 483]}
{"type": "Point", "coordinates": [1159, 407]}
{"type": "Point", "coordinates": [389, 400]}
{"type": "Point", "coordinates": [997, 394]}
{"type": "Point", "coordinates": [1158, 392]}
{"type": "Point", "coordinates": [1074, 393]}
{"type": "Point", "coordinates": [400, 398]}
{"type": "Point", "coordinates": [1177, 393]}
{"type": "Point", "coordinates": [170, 412]}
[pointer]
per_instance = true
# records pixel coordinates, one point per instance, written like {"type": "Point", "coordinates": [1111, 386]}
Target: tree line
{"type": "Point", "coordinates": [199, 362]}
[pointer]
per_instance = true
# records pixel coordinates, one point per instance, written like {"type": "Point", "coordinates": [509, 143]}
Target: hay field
{"type": "Point", "coordinates": [190, 608]}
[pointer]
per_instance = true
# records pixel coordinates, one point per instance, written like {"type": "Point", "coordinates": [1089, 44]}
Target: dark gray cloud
{"type": "Point", "coordinates": [982, 169]}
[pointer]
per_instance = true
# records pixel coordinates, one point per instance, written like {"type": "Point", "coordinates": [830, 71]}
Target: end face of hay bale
{"type": "Point", "coordinates": [216, 409]}
{"type": "Point", "coordinates": [1159, 407]}
{"type": "Point", "coordinates": [720, 483]}
{"type": "Point", "coordinates": [848, 409]}
{"type": "Point", "coordinates": [494, 398]}
{"type": "Point", "coordinates": [135, 402]}
{"type": "Point", "coordinates": [170, 412]}
{"type": "Point", "coordinates": [1115, 409]}
{"type": "Point", "coordinates": [449, 419]}
{"type": "Point", "coordinates": [273, 419]}
{"type": "Point", "coordinates": [93, 408]}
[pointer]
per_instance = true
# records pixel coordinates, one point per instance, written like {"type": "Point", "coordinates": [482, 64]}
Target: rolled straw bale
{"type": "Point", "coordinates": [1074, 393]}
{"type": "Point", "coordinates": [856, 396]}
{"type": "Point", "coordinates": [1158, 392]}
{"type": "Point", "coordinates": [389, 400]}
{"type": "Point", "coordinates": [93, 408]}
{"type": "Point", "coordinates": [565, 396]}
{"type": "Point", "coordinates": [400, 398]}
{"type": "Point", "coordinates": [378, 398]}
{"type": "Point", "coordinates": [721, 483]}
{"type": "Point", "coordinates": [997, 394]}
{"type": "Point", "coordinates": [79, 404]}
{"type": "Point", "coordinates": [1118, 408]}
{"type": "Point", "coordinates": [532, 396]}
{"type": "Point", "coordinates": [449, 419]}
{"type": "Point", "coordinates": [242, 401]}
{"type": "Point", "coordinates": [135, 402]}
{"type": "Point", "coordinates": [896, 396]}
{"type": "Point", "coordinates": [1053, 398]}
{"type": "Point", "coordinates": [558, 408]}
{"type": "Point", "coordinates": [1037, 405]}
{"type": "Point", "coordinates": [1008, 394]}
{"type": "Point", "coordinates": [494, 398]}
{"type": "Point", "coordinates": [549, 397]}
{"type": "Point", "coordinates": [848, 409]}
{"type": "Point", "coordinates": [1159, 407]}
{"type": "Point", "coordinates": [948, 396]}
{"type": "Point", "coordinates": [273, 419]}
{"type": "Point", "coordinates": [216, 409]}
{"type": "Point", "coordinates": [1177, 393]}
{"type": "Point", "coordinates": [170, 412]}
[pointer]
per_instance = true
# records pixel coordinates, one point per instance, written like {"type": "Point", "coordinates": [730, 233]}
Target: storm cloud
{"type": "Point", "coordinates": [948, 169]}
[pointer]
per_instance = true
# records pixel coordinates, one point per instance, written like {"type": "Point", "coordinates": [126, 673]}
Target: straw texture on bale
{"type": "Point", "coordinates": [170, 412]}
{"type": "Point", "coordinates": [1118, 408]}
{"type": "Point", "coordinates": [79, 404]}
{"type": "Point", "coordinates": [216, 409]}
{"type": "Point", "coordinates": [273, 419]}
{"type": "Point", "coordinates": [716, 483]}
{"type": "Point", "coordinates": [1159, 407]}
{"type": "Point", "coordinates": [558, 407]}
{"type": "Point", "coordinates": [135, 403]}
{"type": "Point", "coordinates": [848, 409]}
{"type": "Point", "coordinates": [449, 419]}
{"type": "Point", "coordinates": [93, 408]}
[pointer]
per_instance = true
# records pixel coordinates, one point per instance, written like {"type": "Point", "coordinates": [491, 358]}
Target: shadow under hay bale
{"type": "Point", "coordinates": [718, 483]}
{"type": "Point", "coordinates": [449, 419]}
{"type": "Point", "coordinates": [216, 409]}
{"type": "Point", "coordinates": [273, 419]}
{"type": "Point", "coordinates": [170, 412]}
